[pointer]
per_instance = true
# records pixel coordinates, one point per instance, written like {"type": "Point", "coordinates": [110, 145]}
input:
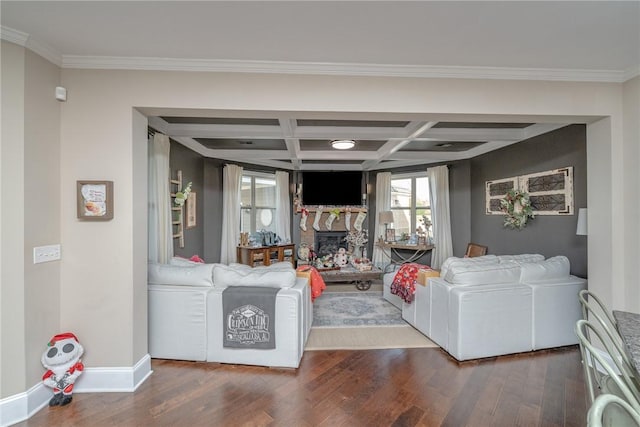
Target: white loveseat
{"type": "Point", "coordinates": [493, 305]}
{"type": "Point", "coordinates": [185, 312]}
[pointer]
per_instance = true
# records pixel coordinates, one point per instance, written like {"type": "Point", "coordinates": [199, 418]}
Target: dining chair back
{"type": "Point", "coordinates": [604, 374]}
{"type": "Point", "coordinates": [594, 308]}
{"type": "Point", "coordinates": [609, 410]}
{"type": "Point", "coordinates": [474, 250]}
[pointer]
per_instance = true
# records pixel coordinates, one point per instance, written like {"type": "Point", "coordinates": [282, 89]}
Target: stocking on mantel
{"type": "Point", "coordinates": [359, 220]}
{"type": "Point", "coordinates": [304, 214]}
{"type": "Point", "coordinates": [333, 215]}
{"type": "Point", "coordinates": [347, 219]}
{"type": "Point", "coordinates": [316, 219]}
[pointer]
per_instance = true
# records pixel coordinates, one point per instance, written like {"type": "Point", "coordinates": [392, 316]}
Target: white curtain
{"type": "Point", "coordinates": [283, 209]}
{"type": "Point", "coordinates": [231, 182]}
{"type": "Point", "coordinates": [440, 215]}
{"type": "Point", "coordinates": [160, 237]}
{"type": "Point", "coordinates": [383, 203]}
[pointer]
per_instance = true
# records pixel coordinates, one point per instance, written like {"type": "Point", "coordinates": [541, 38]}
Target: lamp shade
{"type": "Point", "coordinates": [582, 228]}
{"type": "Point", "coordinates": [385, 217]}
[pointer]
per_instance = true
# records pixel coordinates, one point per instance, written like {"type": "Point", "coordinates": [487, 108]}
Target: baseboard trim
{"type": "Point", "coordinates": [120, 379]}
{"type": "Point", "coordinates": [22, 406]}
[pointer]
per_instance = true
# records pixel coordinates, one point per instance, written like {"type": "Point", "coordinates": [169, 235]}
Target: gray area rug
{"type": "Point", "coordinates": [348, 309]}
{"type": "Point", "coordinates": [344, 320]}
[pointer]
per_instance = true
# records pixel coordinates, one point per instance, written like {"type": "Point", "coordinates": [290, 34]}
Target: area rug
{"type": "Point", "coordinates": [360, 321]}
{"type": "Point", "coordinates": [344, 309]}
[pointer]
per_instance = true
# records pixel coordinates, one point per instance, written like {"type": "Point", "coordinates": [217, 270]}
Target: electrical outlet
{"type": "Point", "coordinates": [46, 253]}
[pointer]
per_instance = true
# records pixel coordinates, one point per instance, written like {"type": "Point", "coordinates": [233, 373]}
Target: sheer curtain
{"type": "Point", "coordinates": [160, 235]}
{"type": "Point", "coordinates": [231, 182]}
{"type": "Point", "coordinates": [283, 210]}
{"type": "Point", "coordinates": [383, 203]}
{"type": "Point", "coordinates": [440, 215]}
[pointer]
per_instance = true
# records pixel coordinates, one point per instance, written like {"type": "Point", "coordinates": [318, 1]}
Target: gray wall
{"type": "Point", "coordinates": [547, 235]}
{"type": "Point", "coordinates": [460, 205]}
{"type": "Point", "coordinates": [212, 218]}
{"type": "Point", "coordinates": [192, 166]}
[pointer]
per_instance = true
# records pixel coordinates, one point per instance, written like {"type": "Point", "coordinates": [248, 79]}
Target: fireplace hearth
{"type": "Point", "coordinates": [328, 242]}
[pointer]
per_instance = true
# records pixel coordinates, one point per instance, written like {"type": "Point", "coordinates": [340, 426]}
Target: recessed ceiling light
{"type": "Point", "coordinates": [343, 144]}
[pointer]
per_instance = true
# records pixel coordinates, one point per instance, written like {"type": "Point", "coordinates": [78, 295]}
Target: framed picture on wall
{"type": "Point", "coordinates": [191, 210]}
{"type": "Point", "coordinates": [94, 200]}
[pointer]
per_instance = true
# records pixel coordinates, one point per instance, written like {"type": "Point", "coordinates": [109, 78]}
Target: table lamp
{"type": "Point", "coordinates": [386, 218]}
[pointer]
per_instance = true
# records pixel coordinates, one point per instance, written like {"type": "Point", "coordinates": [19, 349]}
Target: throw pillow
{"type": "Point", "coordinates": [182, 275]}
{"type": "Point", "coordinates": [235, 275]}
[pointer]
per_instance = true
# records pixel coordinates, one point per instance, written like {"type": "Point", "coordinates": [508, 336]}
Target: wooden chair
{"type": "Point", "coordinates": [474, 250]}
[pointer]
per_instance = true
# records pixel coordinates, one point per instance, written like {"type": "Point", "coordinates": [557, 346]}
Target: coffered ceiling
{"type": "Point", "coordinates": [299, 142]}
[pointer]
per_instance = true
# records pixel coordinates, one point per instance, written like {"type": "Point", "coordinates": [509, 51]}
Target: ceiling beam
{"type": "Point", "coordinates": [472, 134]}
{"type": "Point", "coordinates": [390, 147]}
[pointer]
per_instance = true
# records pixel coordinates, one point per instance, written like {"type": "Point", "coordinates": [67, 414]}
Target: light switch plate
{"type": "Point", "coordinates": [46, 253]}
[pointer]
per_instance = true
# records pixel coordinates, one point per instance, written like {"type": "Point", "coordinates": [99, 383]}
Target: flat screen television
{"type": "Point", "coordinates": [342, 188]}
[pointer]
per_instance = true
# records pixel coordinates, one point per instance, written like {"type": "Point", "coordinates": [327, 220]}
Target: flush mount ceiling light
{"type": "Point", "coordinates": [343, 144]}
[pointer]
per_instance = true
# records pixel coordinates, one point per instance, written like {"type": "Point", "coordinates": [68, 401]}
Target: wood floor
{"type": "Point", "coordinates": [401, 387]}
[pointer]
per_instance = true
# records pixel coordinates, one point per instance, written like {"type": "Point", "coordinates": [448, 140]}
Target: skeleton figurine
{"type": "Point", "coordinates": [62, 360]}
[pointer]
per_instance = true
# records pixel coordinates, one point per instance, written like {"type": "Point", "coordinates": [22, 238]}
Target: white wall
{"type": "Point", "coordinates": [102, 280]}
{"type": "Point", "coordinates": [42, 209]}
{"type": "Point", "coordinates": [98, 272]}
{"type": "Point", "coordinates": [30, 215]}
{"type": "Point", "coordinates": [12, 332]}
{"type": "Point", "coordinates": [631, 108]}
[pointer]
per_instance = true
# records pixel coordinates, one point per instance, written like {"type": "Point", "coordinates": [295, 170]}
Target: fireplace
{"type": "Point", "coordinates": [328, 242]}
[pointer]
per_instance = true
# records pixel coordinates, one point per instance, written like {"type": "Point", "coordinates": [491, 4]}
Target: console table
{"type": "Point", "coordinates": [265, 255]}
{"type": "Point", "coordinates": [390, 249]}
{"type": "Point", "coordinates": [362, 279]}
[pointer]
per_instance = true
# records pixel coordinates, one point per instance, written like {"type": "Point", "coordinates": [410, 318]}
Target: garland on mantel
{"type": "Point", "coordinates": [517, 208]}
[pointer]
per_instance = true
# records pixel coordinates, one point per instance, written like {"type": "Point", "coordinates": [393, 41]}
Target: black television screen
{"type": "Point", "coordinates": [332, 188]}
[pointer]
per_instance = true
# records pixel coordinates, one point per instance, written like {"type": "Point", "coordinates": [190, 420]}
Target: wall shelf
{"type": "Point", "coordinates": [177, 212]}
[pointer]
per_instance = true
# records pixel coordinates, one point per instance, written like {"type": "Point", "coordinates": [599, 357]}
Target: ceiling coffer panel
{"type": "Point", "coordinates": [449, 146]}
{"type": "Point", "coordinates": [331, 162]}
{"type": "Point", "coordinates": [481, 125]}
{"type": "Point", "coordinates": [222, 121]}
{"type": "Point", "coordinates": [320, 145]}
{"type": "Point", "coordinates": [242, 144]}
{"type": "Point", "coordinates": [353, 123]}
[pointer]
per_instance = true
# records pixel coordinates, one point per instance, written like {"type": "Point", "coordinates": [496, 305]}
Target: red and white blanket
{"type": "Point", "coordinates": [404, 282]}
{"type": "Point", "coordinates": [315, 281]}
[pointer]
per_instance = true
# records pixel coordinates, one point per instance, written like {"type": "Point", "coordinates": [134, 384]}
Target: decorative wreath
{"type": "Point", "coordinates": [517, 208]}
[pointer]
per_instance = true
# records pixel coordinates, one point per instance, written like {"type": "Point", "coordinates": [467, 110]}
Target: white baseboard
{"type": "Point", "coordinates": [121, 379]}
{"type": "Point", "coordinates": [19, 407]}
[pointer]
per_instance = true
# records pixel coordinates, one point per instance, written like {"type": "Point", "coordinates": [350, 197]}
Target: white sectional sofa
{"type": "Point", "coordinates": [185, 313]}
{"type": "Point", "coordinates": [494, 305]}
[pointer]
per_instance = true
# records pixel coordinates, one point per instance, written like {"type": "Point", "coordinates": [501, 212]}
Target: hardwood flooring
{"type": "Point", "coordinates": [400, 387]}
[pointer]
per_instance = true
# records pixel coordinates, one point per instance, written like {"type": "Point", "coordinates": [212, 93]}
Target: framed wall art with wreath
{"type": "Point", "coordinates": [523, 197]}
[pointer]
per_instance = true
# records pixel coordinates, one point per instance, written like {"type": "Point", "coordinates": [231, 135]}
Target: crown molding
{"type": "Point", "coordinates": [316, 68]}
{"type": "Point", "coordinates": [630, 73]}
{"type": "Point", "coordinates": [25, 40]}
{"type": "Point", "coordinates": [344, 69]}
{"type": "Point", "coordinates": [13, 36]}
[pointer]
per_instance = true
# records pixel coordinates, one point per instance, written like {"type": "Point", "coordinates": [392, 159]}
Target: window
{"type": "Point", "coordinates": [410, 203]}
{"type": "Point", "coordinates": [257, 202]}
